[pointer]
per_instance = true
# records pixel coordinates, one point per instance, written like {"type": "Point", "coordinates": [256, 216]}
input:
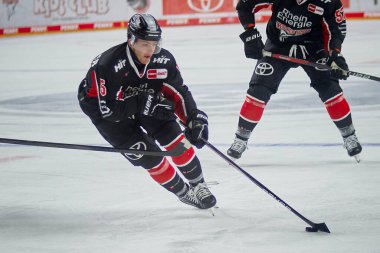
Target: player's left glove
{"type": "Point", "coordinates": [339, 67]}
{"type": "Point", "coordinates": [197, 128]}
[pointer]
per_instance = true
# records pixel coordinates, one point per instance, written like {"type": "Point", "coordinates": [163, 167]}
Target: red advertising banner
{"type": "Point", "coordinates": [178, 7]}
{"type": "Point", "coordinates": [36, 17]}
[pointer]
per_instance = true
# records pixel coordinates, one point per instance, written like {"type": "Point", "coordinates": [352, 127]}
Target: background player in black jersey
{"type": "Point", "coordinates": [133, 94]}
{"type": "Point", "coordinates": [309, 29]}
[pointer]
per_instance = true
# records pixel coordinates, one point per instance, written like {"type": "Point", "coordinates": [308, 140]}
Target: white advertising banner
{"type": "Point", "coordinates": [20, 13]}
{"type": "Point", "coordinates": [39, 16]}
{"type": "Point", "coordinates": [362, 5]}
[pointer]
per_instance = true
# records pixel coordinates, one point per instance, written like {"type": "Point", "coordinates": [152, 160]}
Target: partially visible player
{"type": "Point", "coordinates": [133, 94]}
{"type": "Point", "coordinates": [140, 6]}
{"type": "Point", "coordinates": [308, 29]}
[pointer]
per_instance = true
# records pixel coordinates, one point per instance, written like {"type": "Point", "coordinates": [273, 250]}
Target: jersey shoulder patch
{"type": "Point", "coordinates": [316, 9]}
{"type": "Point", "coordinates": [157, 73]}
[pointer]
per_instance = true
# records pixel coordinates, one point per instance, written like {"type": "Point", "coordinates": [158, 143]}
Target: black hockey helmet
{"type": "Point", "coordinates": [145, 27]}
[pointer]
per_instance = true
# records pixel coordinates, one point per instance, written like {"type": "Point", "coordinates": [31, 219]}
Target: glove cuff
{"type": "Point", "coordinates": [335, 53]}
{"type": "Point", "coordinates": [197, 115]}
{"type": "Point", "coordinates": [250, 34]}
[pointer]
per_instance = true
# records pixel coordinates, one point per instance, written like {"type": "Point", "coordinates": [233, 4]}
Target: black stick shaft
{"type": "Point", "coordinates": [365, 76]}
{"type": "Point", "coordinates": [317, 65]}
{"type": "Point", "coordinates": [178, 150]}
{"type": "Point", "coordinates": [263, 187]}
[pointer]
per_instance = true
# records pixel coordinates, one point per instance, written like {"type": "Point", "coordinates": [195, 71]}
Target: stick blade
{"type": "Point", "coordinates": [318, 227]}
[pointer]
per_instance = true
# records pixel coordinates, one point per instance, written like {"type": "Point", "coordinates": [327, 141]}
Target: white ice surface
{"type": "Point", "coordinates": [54, 200]}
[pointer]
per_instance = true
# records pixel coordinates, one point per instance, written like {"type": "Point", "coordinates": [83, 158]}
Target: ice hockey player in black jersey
{"type": "Point", "coordinates": [308, 29]}
{"type": "Point", "coordinates": [133, 94]}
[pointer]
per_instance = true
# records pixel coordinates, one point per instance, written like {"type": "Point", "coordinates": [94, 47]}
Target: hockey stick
{"type": "Point", "coordinates": [176, 151]}
{"type": "Point", "coordinates": [314, 226]}
{"type": "Point", "coordinates": [316, 65]}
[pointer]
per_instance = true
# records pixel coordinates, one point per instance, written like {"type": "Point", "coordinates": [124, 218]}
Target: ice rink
{"type": "Point", "coordinates": [54, 200]}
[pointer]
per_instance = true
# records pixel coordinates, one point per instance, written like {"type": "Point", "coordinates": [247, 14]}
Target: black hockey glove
{"type": "Point", "coordinates": [155, 106]}
{"type": "Point", "coordinates": [339, 67]}
{"type": "Point", "coordinates": [197, 128]}
{"type": "Point", "coordinates": [253, 45]}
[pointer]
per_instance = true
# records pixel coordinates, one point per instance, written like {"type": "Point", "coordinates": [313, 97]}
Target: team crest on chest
{"type": "Point", "coordinates": [157, 73]}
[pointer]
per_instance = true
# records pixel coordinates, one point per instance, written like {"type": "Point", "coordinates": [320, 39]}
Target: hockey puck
{"type": "Point", "coordinates": [311, 229]}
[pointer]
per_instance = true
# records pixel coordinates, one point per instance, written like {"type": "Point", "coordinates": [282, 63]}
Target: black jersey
{"type": "Point", "coordinates": [299, 21]}
{"type": "Point", "coordinates": [115, 78]}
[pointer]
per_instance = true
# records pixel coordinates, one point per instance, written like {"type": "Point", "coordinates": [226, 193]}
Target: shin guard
{"type": "Point", "coordinates": [165, 174]}
{"type": "Point", "coordinates": [338, 108]}
{"type": "Point", "coordinates": [187, 163]}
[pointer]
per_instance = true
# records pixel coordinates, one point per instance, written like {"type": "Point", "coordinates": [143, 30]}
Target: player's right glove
{"type": "Point", "coordinates": [253, 45]}
{"type": "Point", "coordinates": [197, 128]}
{"type": "Point", "coordinates": [155, 106]}
{"type": "Point", "coordinates": [339, 67]}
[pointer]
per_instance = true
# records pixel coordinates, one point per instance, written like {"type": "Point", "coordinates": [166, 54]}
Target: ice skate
{"type": "Point", "coordinates": [237, 148]}
{"type": "Point", "coordinates": [204, 196]}
{"type": "Point", "coordinates": [200, 197]}
{"type": "Point", "coordinates": [352, 144]}
{"type": "Point", "coordinates": [190, 199]}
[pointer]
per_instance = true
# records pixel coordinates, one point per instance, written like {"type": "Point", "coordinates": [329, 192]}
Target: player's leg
{"type": "Point", "coordinates": [129, 135]}
{"type": "Point", "coordinates": [336, 105]}
{"type": "Point", "coordinates": [190, 167]}
{"type": "Point", "coordinates": [169, 134]}
{"type": "Point", "coordinates": [265, 80]}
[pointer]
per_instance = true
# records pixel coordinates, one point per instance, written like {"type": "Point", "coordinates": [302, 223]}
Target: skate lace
{"type": "Point", "coordinates": [239, 146]}
{"type": "Point", "coordinates": [351, 142]}
{"type": "Point", "coordinates": [190, 196]}
{"type": "Point", "coordinates": [203, 191]}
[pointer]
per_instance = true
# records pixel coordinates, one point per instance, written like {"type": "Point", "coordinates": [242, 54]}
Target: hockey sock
{"type": "Point", "coordinates": [188, 163]}
{"type": "Point", "coordinates": [347, 131]}
{"type": "Point", "coordinates": [339, 111]}
{"type": "Point", "coordinates": [191, 170]}
{"type": "Point", "coordinates": [243, 134]}
{"type": "Point", "coordinates": [250, 114]}
{"type": "Point", "coordinates": [165, 174]}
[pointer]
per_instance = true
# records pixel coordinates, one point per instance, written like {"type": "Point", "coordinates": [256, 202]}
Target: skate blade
{"type": "Point", "coordinates": [208, 183]}
{"type": "Point", "coordinates": [212, 210]}
{"type": "Point", "coordinates": [357, 158]}
{"type": "Point", "coordinates": [232, 158]}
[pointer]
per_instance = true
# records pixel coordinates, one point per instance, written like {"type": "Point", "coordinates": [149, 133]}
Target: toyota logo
{"type": "Point", "coordinates": [323, 62]}
{"type": "Point", "coordinates": [205, 5]}
{"type": "Point", "coordinates": [264, 69]}
{"type": "Point", "coordinates": [136, 146]}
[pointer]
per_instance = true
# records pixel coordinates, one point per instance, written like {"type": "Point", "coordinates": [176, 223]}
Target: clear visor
{"type": "Point", "coordinates": [146, 45]}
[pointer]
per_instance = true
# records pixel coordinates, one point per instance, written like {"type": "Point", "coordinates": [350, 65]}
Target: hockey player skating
{"type": "Point", "coordinates": [133, 94]}
{"type": "Point", "coordinates": [313, 30]}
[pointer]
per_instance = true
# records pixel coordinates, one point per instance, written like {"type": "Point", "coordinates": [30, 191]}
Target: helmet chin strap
{"type": "Point", "coordinates": [299, 2]}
